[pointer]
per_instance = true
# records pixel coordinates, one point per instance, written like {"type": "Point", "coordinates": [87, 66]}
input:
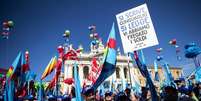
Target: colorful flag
{"type": "Point", "coordinates": [15, 67]}
{"type": "Point", "coordinates": [10, 70]}
{"type": "Point", "coordinates": [109, 60]}
{"type": "Point", "coordinates": [50, 67]}
{"type": "Point", "coordinates": [9, 91]}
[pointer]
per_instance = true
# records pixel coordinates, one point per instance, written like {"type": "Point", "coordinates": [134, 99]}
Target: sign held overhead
{"type": "Point", "coordinates": [136, 29]}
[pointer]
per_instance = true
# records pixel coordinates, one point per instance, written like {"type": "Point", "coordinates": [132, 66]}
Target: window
{"type": "Point", "coordinates": [85, 71]}
{"type": "Point", "coordinates": [117, 72]}
{"type": "Point", "coordinates": [177, 72]}
{"type": "Point", "coordinates": [125, 72]}
{"type": "Point", "coordinates": [77, 71]}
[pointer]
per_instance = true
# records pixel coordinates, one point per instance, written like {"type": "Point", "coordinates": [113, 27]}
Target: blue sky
{"type": "Point", "coordinates": [39, 25]}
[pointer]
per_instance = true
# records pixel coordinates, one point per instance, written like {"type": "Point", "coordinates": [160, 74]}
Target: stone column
{"type": "Point", "coordinates": [122, 77]}
{"type": "Point", "coordinates": [81, 75]}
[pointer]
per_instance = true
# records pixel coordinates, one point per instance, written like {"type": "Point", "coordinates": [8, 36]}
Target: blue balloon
{"type": "Point", "coordinates": [192, 50]}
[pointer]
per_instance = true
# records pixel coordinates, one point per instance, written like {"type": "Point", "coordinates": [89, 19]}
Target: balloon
{"type": "Point", "coordinates": [95, 35]}
{"type": "Point", "coordinates": [66, 33]}
{"type": "Point", "coordinates": [10, 23]}
{"type": "Point", "coordinates": [159, 49]}
{"type": "Point", "coordinates": [192, 50]}
{"type": "Point", "coordinates": [178, 50]}
{"type": "Point", "coordinates": [60, 49]}
{"type": "Point", "coordinates": [5, 35]}
{"type": "Point", "coordinates": [91, 35]}
{"type": "Point", "coordinates": [5, 24]}
{"type": "Point", "coordinates": [158, 58]}
{"type": "Point", "coordinates": [93, 42]}
{"type": "Point", "coordinates": [27, 52]}
{"type": "Point", "coordinates": [173, 42]}
{"type": "Point", "coordinates": [80, 49]}
{"type": "Point", "coordinates": [97, 41]}
{"type": "Point", "coordinates": [92, 27]}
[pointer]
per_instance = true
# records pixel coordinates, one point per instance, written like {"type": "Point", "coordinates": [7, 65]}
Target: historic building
{"type": "Point", "coordinates": [124, 69]}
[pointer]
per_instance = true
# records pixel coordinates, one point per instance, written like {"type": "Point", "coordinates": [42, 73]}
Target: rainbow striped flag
{"type": "Point", "coordinates": [10, 88]}
{"type": "Point", "coordinates": [16, 65]}
{"type": "Point", "coordinates": [50, 67]}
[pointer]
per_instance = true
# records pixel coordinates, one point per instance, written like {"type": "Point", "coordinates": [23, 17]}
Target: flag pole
{"type": "Point", "coordinates": [129, 70]}
{"type": "Point", "coordinates": [28, 88]}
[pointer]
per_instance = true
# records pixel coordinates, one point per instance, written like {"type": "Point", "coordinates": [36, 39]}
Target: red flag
{"type": "Point", "coordinates": [69, 81]}
{"type": "Point", "coordinates": [94, 65]}
{"type": "Point", "coordinates": [52, 83]}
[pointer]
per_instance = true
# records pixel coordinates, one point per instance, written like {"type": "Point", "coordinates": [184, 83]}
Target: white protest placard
{"type": "Point", "coordinates": [136, 29]}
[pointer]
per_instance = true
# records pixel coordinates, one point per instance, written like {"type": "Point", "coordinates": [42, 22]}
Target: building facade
{"type": "Point", "coordinates": [125, 70]}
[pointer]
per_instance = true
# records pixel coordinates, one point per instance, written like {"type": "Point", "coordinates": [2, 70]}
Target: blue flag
{"type": "Point", "coordinates": [156, 78]}
{"type": "Point", "coordinates": [109, 61]}
{"type": "Point", "coordinates": [169, 80]}
{"type": "Point", "coordinates": [77, 84]}
{"type": "Point", "coordinates": [198, 74]}
{"type": "Point", "coordinates": [143, 69]}
{"type": "Point", "coordinates": [40, 92]}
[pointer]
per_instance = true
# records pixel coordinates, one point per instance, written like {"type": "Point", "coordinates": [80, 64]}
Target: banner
{"type": "Point", "coordinates": [136, 29]}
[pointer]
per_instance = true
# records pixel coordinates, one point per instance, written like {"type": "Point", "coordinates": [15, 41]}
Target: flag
{"type": "Point", "coordinates": [95, 71]}
{"type": "Point", "coordinates": [144, 71]}
{"type": "Point", "coordinates": [23, 73]}
{"type": "Point", "coordinates": [40, 92]}
{"type": "Point", "coordinates": [10, 70]}
{"type": "Point", "coordinates": [136, 86]}
{"type": "Point", "coordinates": [25, 66]}
{"type": "Point", "coordinates": [50, 67]}
{"type": "Point", "coordinates": [156, 78]}
{"type": "Point", "coordinates": [9, 91]}
{"type": "Point", "coordinates": [198, 74]}
{"type": "Point", "coordinates": [52, 83]}
{"type": "Point", "coordinates": [112, 84]}
{"type": "Point", "coordinates": [14, 69]}
{"type": "Point", "coordinates": [92, 77]}
{"type": "Point", "coordinates": [94, 65]}
{"type": "Point", "coordinates": [68, 81]}
{"type": "Point", "coordinates": [77, 84]}
{"type": "Point", "coordinates": [109, 60]}
{"type": "Point", "coordinates": [169, 81]}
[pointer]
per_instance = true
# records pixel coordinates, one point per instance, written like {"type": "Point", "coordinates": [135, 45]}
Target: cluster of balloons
{"type": "Point", "coordinates": [159, 57]}
{"type": "Point", "coordinates": [93, 33]}
{"type": "Point", "coordinates": [66, 36]}
{"type": "Point", "coordinates": [173, 42]}
{"type": "Point", "coordinates": [94, 36]}
{"type": "Point", "coordinates": [7, 26]}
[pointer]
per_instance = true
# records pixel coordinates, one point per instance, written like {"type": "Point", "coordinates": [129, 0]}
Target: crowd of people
{"type": "Point", "coordinates": [185, 90]}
